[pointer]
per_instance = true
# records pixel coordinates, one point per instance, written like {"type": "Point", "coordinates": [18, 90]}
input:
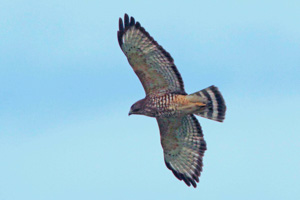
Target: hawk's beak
{"type": "Point", "coordinates": [130, 113]}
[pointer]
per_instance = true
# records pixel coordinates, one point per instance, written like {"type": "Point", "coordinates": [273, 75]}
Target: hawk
{"type": "Point", "coordinates": [166, 100]}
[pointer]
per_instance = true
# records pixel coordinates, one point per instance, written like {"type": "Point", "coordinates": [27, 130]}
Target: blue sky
{"type": "Point", "coordinates": [66, 89]}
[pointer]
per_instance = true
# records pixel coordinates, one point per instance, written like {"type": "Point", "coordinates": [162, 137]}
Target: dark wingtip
{"type": "Point", "coordinates": [120, 32]}
{"type": "Point", "coordinates": [137, 25]}
{"type": "Point", "coordinates": [188, 181]}
{"type": "Point", "coordinates": [123, 27]}
{"type": "Point", "coordinates": [196, 178]}
{"type": "Point", "coordinates": [126, 20]}
{"type": "Point", "coordinates": [132, 21]}
{"type": "Point", "coordinates": [193, 182]}
{"type": "Point", "coordinates": [126, 16]}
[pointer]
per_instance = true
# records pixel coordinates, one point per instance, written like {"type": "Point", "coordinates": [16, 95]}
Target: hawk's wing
{"type": "Point", "coordinates": [184, 146]}
{"type": "Point", "coordinates": [151, 63]}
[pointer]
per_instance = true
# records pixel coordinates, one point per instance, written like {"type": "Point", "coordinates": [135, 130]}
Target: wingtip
{"type": "Point", "coordinates": [137, 25]}
{"type": "Point", "coordinates": [132, 21]}
{"type": "Point", "coordinates": [126, 20]}
{"type": "Point", "coordinates": [121, 27]}
{"type": "Point", "coordinates": [187, 180]}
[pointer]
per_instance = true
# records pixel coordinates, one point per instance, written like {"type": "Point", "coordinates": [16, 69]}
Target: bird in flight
{"type": "Point", "coordinates": [166, 100]}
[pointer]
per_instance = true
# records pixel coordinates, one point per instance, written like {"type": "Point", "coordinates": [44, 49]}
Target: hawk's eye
{"type": "Point", "coordinates": [135, 109]}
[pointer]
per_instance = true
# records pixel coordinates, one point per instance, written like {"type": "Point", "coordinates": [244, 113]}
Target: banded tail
{"type": "Point", "coordinates": [215, 105]}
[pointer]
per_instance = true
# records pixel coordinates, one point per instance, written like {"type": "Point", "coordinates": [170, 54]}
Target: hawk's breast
{"type": "Point", "coordinates": [167, 105]}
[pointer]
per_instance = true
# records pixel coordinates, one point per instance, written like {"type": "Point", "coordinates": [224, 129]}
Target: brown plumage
{"type": "Point", "coordinates": [166, 100]}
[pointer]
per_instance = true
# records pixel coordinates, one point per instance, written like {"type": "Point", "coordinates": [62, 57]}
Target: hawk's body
{"type": "Point", "coordinates": [166, 100]}
{"type": "Point", "coordinates": [170, 105]}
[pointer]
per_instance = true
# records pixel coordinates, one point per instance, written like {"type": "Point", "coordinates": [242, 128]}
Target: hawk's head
{"type": "Point", "coordinates": [137, 108]}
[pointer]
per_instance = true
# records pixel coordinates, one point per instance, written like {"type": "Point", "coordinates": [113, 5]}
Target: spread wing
{"type": "Point", "coordinates": [184, 147]}
{"type": "Point", "coordinates": [152, 64]}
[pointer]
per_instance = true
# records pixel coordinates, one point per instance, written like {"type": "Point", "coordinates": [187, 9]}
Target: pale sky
{"type": "Point", "coordinates": [66, 89]}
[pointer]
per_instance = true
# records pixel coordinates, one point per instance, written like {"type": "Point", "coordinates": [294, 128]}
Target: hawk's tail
{"type": "Point", "coordinates": [215, 105]}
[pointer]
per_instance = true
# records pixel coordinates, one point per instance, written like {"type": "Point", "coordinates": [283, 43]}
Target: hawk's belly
{"type": "Point", "coordinates": [169, 105]}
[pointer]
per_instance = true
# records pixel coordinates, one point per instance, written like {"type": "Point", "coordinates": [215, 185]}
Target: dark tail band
{"type": "Point", "coordinates": [216, 108]}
